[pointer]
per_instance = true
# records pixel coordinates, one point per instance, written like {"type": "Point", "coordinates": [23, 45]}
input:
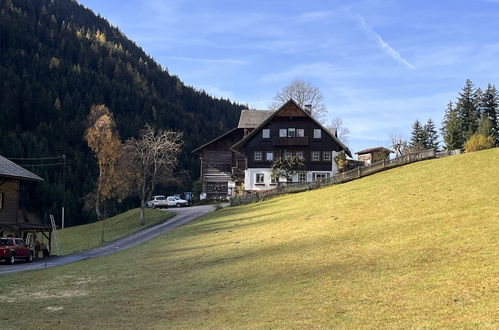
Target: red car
{"type": "Point", "coordinates": [14, 248]}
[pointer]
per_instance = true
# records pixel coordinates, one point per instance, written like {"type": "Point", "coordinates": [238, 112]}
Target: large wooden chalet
{"type": "Point", "coordinates": [244, 154]}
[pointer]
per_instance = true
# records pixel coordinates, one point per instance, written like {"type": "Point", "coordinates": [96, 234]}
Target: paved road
{"type": "Point", "coordinates": [183, 216]}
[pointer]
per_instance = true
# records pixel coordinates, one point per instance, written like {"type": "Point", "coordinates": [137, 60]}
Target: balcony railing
{"type": "Point", "coordinates": [291, 141]}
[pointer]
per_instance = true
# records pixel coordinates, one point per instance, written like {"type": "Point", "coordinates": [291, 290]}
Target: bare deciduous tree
{"type": "Point", "coordinates": [398, 144]}
{"type": "Point", "coordinates": [150, 158]}
{"type": "Point", "coordinates": [303, 93]}
{"type": "Point", "coordinates": [336, 128]}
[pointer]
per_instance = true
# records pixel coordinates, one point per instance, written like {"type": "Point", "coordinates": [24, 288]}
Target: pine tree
{"type": "Point", "coordinates": [418, 137]}
{"type": "Point", "coordinates": [490, 109]}
{"type": "Point", "coordinates": [451, 129]}
{"type": "Point", "coordinates": [431, 135]}
{"type": "Point", "coordinates": [467, 109]}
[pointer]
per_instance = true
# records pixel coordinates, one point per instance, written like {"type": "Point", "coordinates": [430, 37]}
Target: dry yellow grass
{"type": "Point", "coordinates": [413, 247]}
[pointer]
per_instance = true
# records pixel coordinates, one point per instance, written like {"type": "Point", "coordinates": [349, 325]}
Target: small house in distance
{"type": "Point", "coordinates": [372, 155]}
{"type": "Point", "coordinates": [14, 221]}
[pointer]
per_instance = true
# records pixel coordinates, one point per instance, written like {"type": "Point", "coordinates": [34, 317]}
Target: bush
{"type": "Point", "coordinates": [478, 142]}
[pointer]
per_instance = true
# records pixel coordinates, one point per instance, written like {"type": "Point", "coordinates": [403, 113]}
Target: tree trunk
{"type": "Point", "coordinates": [142, 208]}
{"type": "Point", "coordinates": [97, 199]}
{"type": "Point", "coordinates": [143, 204]}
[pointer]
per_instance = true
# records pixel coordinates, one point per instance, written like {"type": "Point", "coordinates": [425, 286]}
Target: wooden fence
{"type": "Point", "coordinates": [354, 174]}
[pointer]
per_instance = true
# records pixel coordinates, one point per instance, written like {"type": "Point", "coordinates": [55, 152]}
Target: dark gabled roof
{"type": "Point", "coordinates": [376, 149]}
{"type": "Point", "coordinates": [253, 118]}
{"type": "Point", "coordinates": [12, 170]}
{"type": "Point", "coordinates": [214, 140]}
{"type": "Point", "coordinates": [273, 114]}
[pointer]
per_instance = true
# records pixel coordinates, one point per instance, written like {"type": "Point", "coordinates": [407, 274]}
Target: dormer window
{"type": "Point", "coordinates": [265, 133]}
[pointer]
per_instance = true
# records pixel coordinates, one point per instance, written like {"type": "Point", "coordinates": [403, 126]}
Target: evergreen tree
{"type": "Point", "coordinates": [485, 126]}
{"type": "Point", "coordinates": [490, 109]}
{"type": "Point", "coordinates": [451, 129]}
{"type": "Point", "coordinates": [431, 135]}
{"type": "Point", "coordinates": [418, 137]}
{"type": "Point", "coordinates": [467, 109]}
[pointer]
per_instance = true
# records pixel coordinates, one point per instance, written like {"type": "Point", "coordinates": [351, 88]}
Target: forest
{"type": "Point", "coordinates": [57, 59]}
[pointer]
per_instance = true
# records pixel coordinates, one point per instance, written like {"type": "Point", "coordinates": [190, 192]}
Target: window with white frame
{"type": "Point", "coordinates": [316, 156]}
{"type": "Point", "coordinates": [283, 132]}
{"type": "Point", "coordinates": [299, 155]}
{"type": "Point", "coordinates": [273, 179]}
{"type": "Point", "coordinates": [258, 155]}
{"type": "Point", "coordinates": [269, 156]}
{"type": "Point", "coordinates": [265, 133]}
{"type": "Point", "coordinates": [291, 132]}
{"type": "Point", "coordinates": [259, 178]}
{"type": "Point", "coordinates": [300, 132]}
{"type": "Point", "coordinates": [288, 154]}
{"type": "Point", "coordinates": [317, 133]}
{"type": "Point", "coordinates": [326, 155]}
{"type": "Point", "coordinates": [302, 177]}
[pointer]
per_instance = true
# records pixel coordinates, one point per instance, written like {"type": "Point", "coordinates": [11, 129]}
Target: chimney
{"type": "Point", "coordinates": [308, 108]}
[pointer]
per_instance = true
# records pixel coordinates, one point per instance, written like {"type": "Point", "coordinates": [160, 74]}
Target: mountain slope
{"type": "Point", "coordinates": [412, 247]}
{"type": "Point", "coordinates": [57, 58]}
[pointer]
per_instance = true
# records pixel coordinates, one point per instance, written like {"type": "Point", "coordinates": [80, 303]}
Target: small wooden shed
{"type": "Point", "coordinates": [15, 221]}
{"type": "Point", "coordinates": [372, 155]}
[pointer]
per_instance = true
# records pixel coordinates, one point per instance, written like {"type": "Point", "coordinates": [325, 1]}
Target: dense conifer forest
{"type": "Point", "coordinates": [57, 58]}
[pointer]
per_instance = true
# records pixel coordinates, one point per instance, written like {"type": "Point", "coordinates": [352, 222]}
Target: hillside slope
{"type": "Point", "coordinates": [57, 58]}
{"type": "Point", "coordinates": [412, 247]}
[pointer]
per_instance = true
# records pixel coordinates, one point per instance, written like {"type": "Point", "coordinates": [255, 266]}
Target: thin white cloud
{"type": "Point", "coordinates": [319, 70]}
{"type": "Point", "coordinates": [392, 52]}
{"type": "Point", "coordinates": [208, 60]}
{"type": "Point", "coordinates": [218, 92]}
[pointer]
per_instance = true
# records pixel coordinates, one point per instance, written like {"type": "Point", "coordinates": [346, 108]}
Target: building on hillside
{"type": "Point", "coordinates": [15, 220]}
{"type": "Point", "coordinates": [243, 156]}
{"type": "Point", "coordinates": [222, 169]}
{"type": "Point", "coordinates": [372, 155]}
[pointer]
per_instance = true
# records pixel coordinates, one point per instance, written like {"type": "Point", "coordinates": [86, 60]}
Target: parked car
{"type": "Point", "coordinates": [12, 248]}
{"type": "Point", "coordinates": [176, 201]}
{"type": "Point", "coordinates": [157, 201]}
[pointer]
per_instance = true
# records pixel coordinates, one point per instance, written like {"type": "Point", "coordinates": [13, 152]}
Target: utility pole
{"type": "Point", "coordinates": [64, 194]}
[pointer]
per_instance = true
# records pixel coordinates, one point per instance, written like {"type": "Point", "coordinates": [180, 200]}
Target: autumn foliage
{"type": "Point", "coordinates": [102, 138]}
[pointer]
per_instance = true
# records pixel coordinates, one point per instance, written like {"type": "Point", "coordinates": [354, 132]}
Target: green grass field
{"type": "Point", "coordinates": [413, 247]}
{"type": "Point", "coordinates": [85, 237]}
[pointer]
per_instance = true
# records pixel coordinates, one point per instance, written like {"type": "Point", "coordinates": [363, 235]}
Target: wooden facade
{"type": "Point", "coordinates": [220, 166]}
{"type": "Point", "coordinates": [372, 155]}
{"type": "Point", "coordinates": [9, 200]}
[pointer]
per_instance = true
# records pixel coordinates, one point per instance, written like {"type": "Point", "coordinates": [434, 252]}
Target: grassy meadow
{"type": "Point", "coordinates": [85, 237]}
{"type": "Point", "coordinates": [412, 247]}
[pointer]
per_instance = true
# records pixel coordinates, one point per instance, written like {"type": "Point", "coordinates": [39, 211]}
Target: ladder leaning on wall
{"type": "Point", "coordinates": [54, 229]}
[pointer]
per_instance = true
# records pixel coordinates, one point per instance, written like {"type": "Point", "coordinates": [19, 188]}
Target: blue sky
{"type": "Point", "coordinates": [380, 64]}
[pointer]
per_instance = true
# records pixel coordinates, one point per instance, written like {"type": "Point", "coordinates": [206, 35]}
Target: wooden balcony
{"type": "Point", "coordinates": [237, 174]}
{"type": "Point", "coordinates": [291, 141]}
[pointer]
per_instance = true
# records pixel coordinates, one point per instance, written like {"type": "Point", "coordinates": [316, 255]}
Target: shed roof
{"type": "Point", "coordinates": [253, 118]}
{"type": "Point", "coordinates": [12, 170]}
{"type": "Point", "coordinates": [376, 149]}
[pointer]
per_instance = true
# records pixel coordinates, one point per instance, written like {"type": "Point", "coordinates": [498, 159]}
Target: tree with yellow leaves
{"type": "Point", "coordinates": [102, 138]}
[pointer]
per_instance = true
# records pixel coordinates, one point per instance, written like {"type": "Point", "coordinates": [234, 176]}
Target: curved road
{"type": "Point", "coordinates": [183, 216]}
